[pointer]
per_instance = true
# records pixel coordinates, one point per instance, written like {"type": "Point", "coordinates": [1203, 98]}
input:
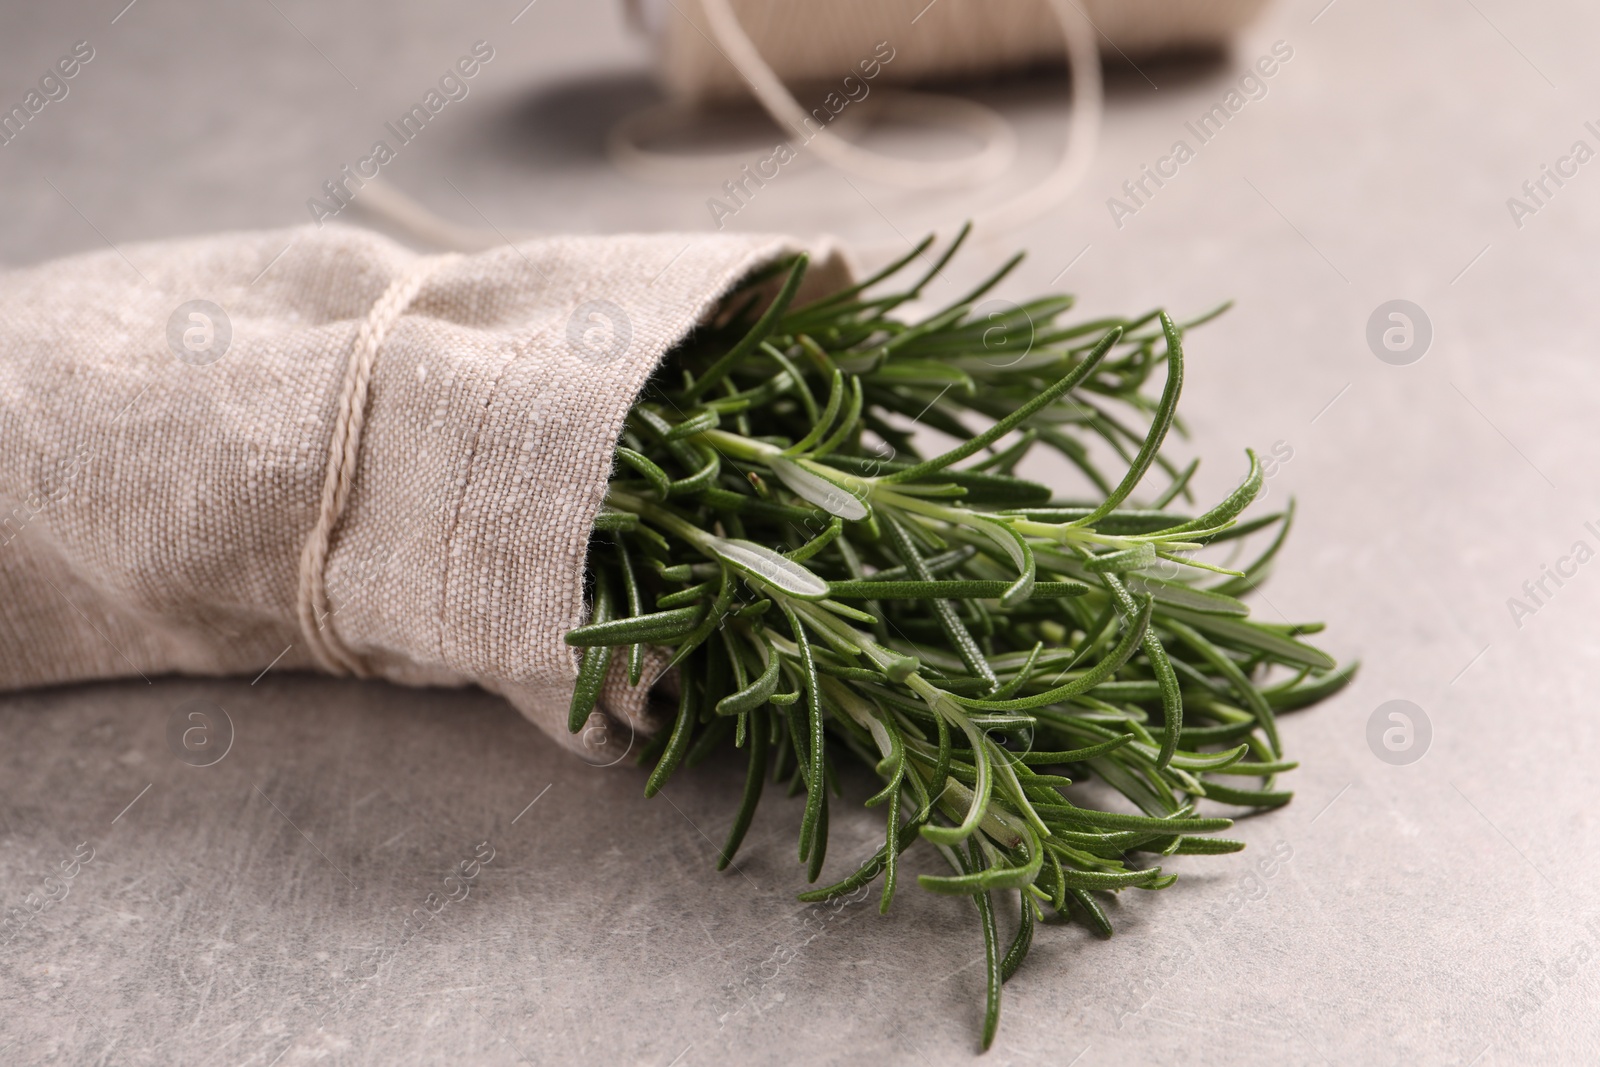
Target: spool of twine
{"type": "Point", "coordinates": [817, 42]}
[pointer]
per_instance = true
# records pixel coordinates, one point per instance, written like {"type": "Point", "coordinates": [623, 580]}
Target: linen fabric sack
{"type": "Point", "coordinates": [316, 449]}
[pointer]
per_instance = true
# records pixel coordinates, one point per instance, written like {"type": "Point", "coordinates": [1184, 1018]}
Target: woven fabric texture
{"type": "Point", "coordinates": [166, 418]}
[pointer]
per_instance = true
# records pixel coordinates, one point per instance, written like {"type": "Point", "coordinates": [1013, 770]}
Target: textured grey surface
{"type": "Point", "coordinates": [1443, 912]}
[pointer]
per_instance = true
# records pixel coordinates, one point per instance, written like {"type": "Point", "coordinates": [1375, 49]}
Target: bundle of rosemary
{"type": "Point", "coordinates": [825, 592]}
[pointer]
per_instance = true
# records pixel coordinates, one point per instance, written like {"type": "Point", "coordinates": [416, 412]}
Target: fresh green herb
{"type": "Point", "coordinates": [775, 529]}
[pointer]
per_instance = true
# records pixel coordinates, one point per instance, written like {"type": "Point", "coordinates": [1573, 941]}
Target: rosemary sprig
{"type": "Point", "coordinates": [833, 593]}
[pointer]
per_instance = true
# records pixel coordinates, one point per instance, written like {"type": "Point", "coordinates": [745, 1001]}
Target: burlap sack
{"type": "Point", "coordinates": [316, 449]}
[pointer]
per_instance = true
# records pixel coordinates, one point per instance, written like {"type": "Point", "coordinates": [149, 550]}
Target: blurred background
{"type": "Point", "coordinates": [1439, 906]}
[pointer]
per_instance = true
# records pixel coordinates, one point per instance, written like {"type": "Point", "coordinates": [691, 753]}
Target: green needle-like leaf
{"type": "Point", "coordinates": [592, 671]}
{"type": "Point", "coordinates": [968, 638]}
{"type": "Point", "coordinates": [758, 333]}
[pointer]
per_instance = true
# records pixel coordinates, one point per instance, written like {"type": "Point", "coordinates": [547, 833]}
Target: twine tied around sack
{"type": "Point", "coordinates": [344, 450]}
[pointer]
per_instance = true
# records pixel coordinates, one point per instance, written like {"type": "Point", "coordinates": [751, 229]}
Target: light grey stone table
{"type": "Point", "coordinates": [1443, 911]}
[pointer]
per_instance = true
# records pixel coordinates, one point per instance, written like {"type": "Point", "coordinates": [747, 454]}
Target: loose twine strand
{"type": "Point", "coordinates": [1082, 131]}
{"type": "Point", "coordinates": [344, 450]}
{"type": "Point", "coordinates": [999, 140]}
